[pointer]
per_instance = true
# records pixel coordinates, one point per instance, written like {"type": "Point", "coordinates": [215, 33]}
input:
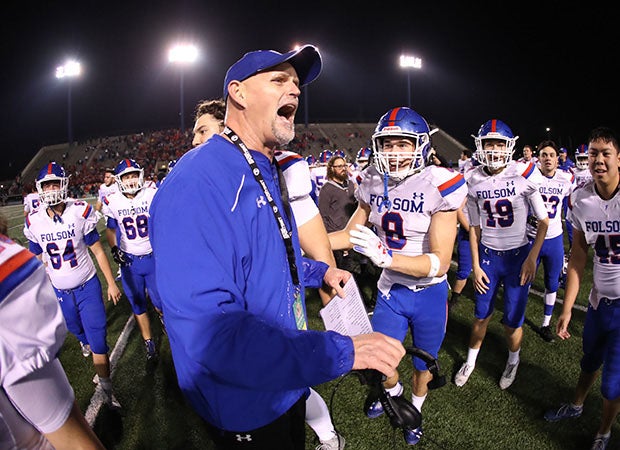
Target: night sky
{"type": "Point", "coordinates": [533, 66]}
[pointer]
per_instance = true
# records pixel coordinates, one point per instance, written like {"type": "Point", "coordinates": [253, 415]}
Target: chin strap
{"type": "Point", "coordinates": [386, 199]}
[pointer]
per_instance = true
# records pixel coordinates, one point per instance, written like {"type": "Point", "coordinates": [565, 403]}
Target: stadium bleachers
{"type": "Point", "coordinates": [86, 161]}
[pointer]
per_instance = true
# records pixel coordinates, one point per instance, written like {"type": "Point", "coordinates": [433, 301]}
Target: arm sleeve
{"type": "Point", "coordinates": [304, 209]}
{"type": "Point", "coordinates": [34, 248]}
{"type": "Point", "coordinates": [314, 272]}
{"type": "Point", "coordinates": [44, 397]}
{"type": "Point", "coordinates": [23, 352]}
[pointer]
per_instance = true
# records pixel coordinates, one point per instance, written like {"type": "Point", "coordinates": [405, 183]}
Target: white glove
{"type": "Point", "coordinates": [368, 243]}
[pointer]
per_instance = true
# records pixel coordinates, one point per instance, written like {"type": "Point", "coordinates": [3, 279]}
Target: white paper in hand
{"type": "Point", "coordinates": [347, 315]}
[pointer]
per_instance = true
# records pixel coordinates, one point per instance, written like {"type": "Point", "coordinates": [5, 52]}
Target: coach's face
{"type": "Point", "coordinates": [271, 99]}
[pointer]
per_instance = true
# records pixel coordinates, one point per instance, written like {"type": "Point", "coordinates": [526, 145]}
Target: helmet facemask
{"type": "Point", "coordinates": [494, 158]}
{"type": "Point", "coordinates": [581, 162]}
{"type": "Point", "coordinates": [130, 185]}
{"type": "Point", "coordinates": [395, 162]}
{"type": "Point", "coordinates": [51, 197]}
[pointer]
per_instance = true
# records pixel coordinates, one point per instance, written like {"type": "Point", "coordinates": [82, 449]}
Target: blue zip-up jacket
{"type": "Point", "coordinates": [227, 292]}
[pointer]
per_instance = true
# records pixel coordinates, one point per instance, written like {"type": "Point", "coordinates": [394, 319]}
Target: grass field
{"type": "Point", "coordinates": [476, 416]}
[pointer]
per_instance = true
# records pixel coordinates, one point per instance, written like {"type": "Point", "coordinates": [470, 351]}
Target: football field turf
{"type": "Point", "coordinates": [478, 415]}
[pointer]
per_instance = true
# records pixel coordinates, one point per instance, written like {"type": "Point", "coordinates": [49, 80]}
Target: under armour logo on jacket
{"type": "Point", "coordinates": [486, 262]}
{"type": "Point", "coordinates": [260, 201]}
{"type": "Point", "coordinates": [240, 438]}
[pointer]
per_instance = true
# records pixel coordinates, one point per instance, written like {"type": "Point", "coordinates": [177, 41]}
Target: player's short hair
{"type": "Point", "coordinates": [215, 107]}
{"type": "Point", "coordinates": [606, 135]}
{"type": "Point", "coordinates": [549, 143]}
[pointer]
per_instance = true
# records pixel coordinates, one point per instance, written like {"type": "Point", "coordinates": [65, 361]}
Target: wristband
{"type": "Point", "coordinates": [434, 259]}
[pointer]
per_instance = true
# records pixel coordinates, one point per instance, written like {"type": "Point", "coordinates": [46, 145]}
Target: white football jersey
{"type": "Point", "coordinates": [105, 191]}
{"type": "Point", "coordinates": [132, 217]}
{"type": "Point", "coordinates": [69, 263]}
{"type": "Point", "coordinates": [599, 220]}
{"type": "Point", "coordinates": [465, 165]}
{"type": "Point", "coordinates": [298, 184]}
{"type": "Point", "coordinates": [499, 204]}
{"type": "Point", "coordinates": [553, 191]}
{"type": "Point", "coordinates": [319, 176]}
{"type": "Point", "coordinates": [403, 226]}
{"type": "Point", "coordinates": [582, 176]}
{"type": "Point", "coordinates": [28, 302]}
{"type": "Point", "coordinates": [534, 160]}
{"type": "Point", "coordinates": [32, 333]}
{"type": "Point", "coordinates": [31, 202]}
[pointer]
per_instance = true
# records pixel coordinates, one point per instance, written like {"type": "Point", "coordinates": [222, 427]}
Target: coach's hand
{"type": "Point", "coordinates": [368, 243]}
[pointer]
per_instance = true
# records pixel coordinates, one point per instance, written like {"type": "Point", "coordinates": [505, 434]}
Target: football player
{"type": "Point", "coordinates": [581, 170]}
{"type": "Point", "coordinates": [318, 173]}
{"type": "Point", "coordinates": [31, 202]}
{"type": "Point", "coordinates": [594, 210]}
{"type": "Point", "coordinates": [108, 187]}
{"type": "Point", "coordinates": [528, 155]}
{"type": "Point", "coordinates": [127, 232]}
{"type": "Point", "coordinates": [413, 210]}
{"type": "Point", "coordinates": [209, 120]}
{"type": "Point", "coordinates": [64, 229]}
{"type": "Point", "coordinates": [34, 390]}
{"type": "Point", "coordinates": [361, 161]}
{"type": "Point", "coordinates": [500, 193]}
{"type": "Point", "coordinates": [555, 186]}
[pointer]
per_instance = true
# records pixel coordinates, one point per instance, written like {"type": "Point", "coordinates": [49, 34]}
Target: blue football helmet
{"type": "Point", "coordinates": [324, 156]}
{"type": "Point", "coordinates": [311, 160]}
{"type": "Point", "coordinates": [340, 154]}
{"type": "Point", "coordinates": [404, 123]}
{"type": "Point", "coordinates": [129, 186]}
{"type": "Point", "coordinates": [52, 172]}
{"type": "Point", "coordinates": [363, 155]}
{"type": "Point", "coordinates": [581, 157]}
{"type": "Point", "coordinates": [495, 158]}
{"type": "Point", "coordinates": [171, 164]}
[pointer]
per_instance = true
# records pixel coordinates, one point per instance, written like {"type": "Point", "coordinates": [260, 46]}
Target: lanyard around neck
{"type": "Point", "coordinates": [284, 232]}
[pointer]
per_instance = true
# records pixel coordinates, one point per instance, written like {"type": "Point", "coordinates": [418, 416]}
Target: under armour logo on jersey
{"type": "Point", "coordinates": [510, 183]}
{"type": "Point", "coordinates": [240, 438]}
{"type": "Point", "coordinates": [260, 201]}
{"type": "Point", "coordinates": [486, 262]}
{"type": "Point", "coordinates": [415, 195]}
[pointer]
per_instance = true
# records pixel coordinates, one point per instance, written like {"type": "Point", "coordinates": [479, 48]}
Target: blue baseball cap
{"type": "Point", "coordinates": [306, 61]}
{"type": "Point", "coordinates": [562, 150]}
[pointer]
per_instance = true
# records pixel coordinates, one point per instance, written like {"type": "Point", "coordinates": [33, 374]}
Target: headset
{"type": "Point", "coordinates": [401, 412]}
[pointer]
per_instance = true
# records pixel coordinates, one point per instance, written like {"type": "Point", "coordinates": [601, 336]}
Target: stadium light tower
{"type": "Point", "coordinates": [408, 62]}
{"type": "Point", "coordinates": [69, 70]}
{"type": "Point", "coordinates": [182, 55]}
